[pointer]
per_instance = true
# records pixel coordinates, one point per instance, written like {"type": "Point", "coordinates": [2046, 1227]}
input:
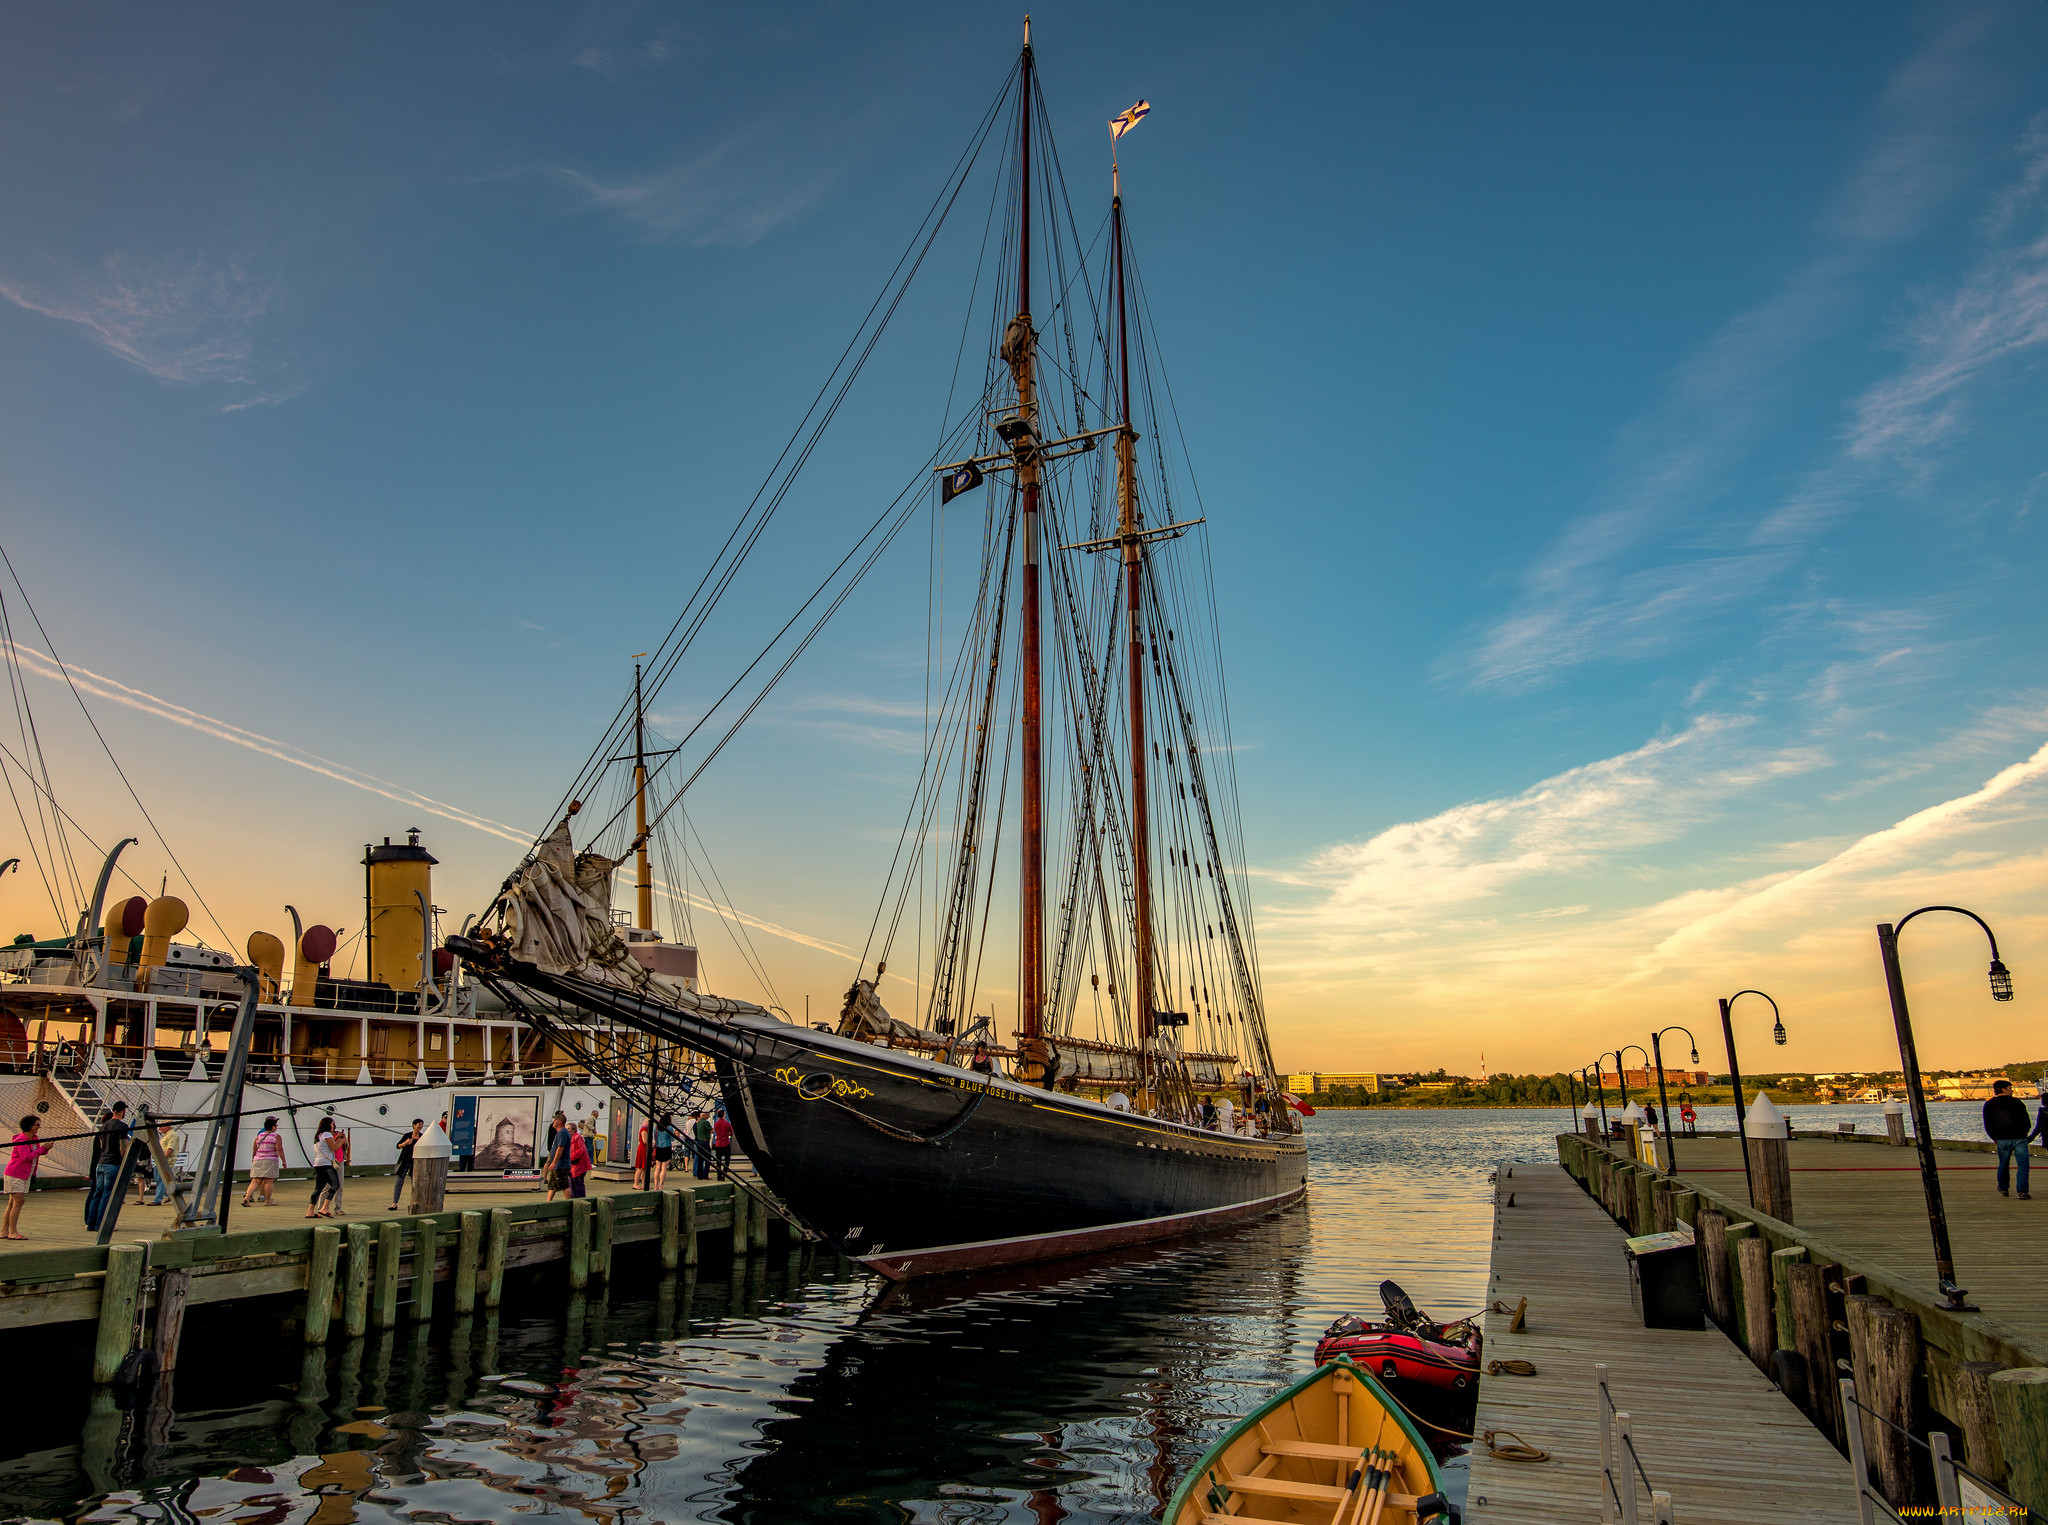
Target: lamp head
{"type": "Point", "coordinates": [1695, 1056]}
{"type": "Point", "coordinates": [1778, 1032]}
{"type": "Point", "coordinates": [2001, 982]}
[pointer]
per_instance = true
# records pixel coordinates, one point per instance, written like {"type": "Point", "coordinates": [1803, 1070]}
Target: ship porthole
{"type": "Point", "coordinates": [814, 1087]}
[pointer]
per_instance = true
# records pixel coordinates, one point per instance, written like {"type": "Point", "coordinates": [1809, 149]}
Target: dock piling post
{"type": "Point", "coordinates": [120, 1289]}
{"type": "Point", "coordinates": [426, 1250]}
{"type": "Point", "coordinates": [1894, 1363]}
{"type": "Point", "coordinates": [1685, 1208]}
{"type": "Point", "coordinates": [1625, 1467]}
{"type": "Point", "coordinates": [757, 1227]}
{"type": "Point", "coordinates": [671, 1228]}
{"type": "Point", "coordinates": [1660, 1204]}
{"type": "Point", "coordinates": [1770, 1172]}
{"type": "Point", "coordinates": [1981, 1450]}
{"type": "Point", "coordinates": [1645, 1215]}
{"type": "Point", "coordinates": [500, 1240]}
{"type": "Point", "coordinates": [2019, 1396]}
{"type": "Point", "coordinates": [1753, 1259]}
{"type": "Point", "coordinates": [579, 1242]}
{"type": "Point", "coordinates": [742, 1205]}
{"type": "Point", "coordinates": [320, 1267]}
{"type": "Point", "coordinates": [384, 1298]}
{"type": "Point", "coordinates": [468, 1241]}
{"type": "Point", "coordinates": [1781, 1294]}
{"type": "Point", "coordinates": [1713, 1246]}
{"type": "Point", "coordinates": [689, 1229]}
{"type": "Point", "coordinates": [355, 1288]}
{"type": "Point", "coordinates": [172, 1290]}
{"type": "Point", "coordinates": [605, 1225]}
{"type": "Point", "coordinates": [1808, 1284]}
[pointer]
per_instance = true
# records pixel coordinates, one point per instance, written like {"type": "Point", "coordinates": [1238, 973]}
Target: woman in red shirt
{"type": "Point", "coordinates": [579, 1161]}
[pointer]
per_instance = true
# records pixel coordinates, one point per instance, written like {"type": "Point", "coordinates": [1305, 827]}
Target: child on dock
{"type": "Point", "coordinates": [21, 1169]}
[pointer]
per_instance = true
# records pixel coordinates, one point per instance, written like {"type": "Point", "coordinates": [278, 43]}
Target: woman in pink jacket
{"type": "Point", "coordinates": [21, 1169]}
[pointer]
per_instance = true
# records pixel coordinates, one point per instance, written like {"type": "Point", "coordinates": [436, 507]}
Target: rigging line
{"type": "Point", "coordinates": [31, 743]}
{"type": "Point", "coordinates": [162, 841]}
{"type": "Point", "coordinates": [29, 838]}
{"type": "Point", "coordinates": [686, 622]}
{"type": "Point", "coordinates": [742, 941]}
{"type": "Point", "coordinates": [70, 819]}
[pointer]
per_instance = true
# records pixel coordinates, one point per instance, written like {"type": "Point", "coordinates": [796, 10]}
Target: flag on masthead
{"type": "Point", "coordinates": [1120, 125]}
{"type": "Point", "coordinates": [964, 478]}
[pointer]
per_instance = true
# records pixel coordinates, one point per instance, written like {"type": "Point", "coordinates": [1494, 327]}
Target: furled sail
{"type": "Point", "coordinates": [864, 1016]}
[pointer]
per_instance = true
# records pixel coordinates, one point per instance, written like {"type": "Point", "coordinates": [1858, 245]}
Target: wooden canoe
{"type": "Point", "coordinates": [1333, 1449]}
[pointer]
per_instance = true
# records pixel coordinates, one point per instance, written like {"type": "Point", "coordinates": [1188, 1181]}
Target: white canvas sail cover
{"type": "Point", "coordinates": [864, 1016]}
{"type": "Point", "coordinates": [558, 913]}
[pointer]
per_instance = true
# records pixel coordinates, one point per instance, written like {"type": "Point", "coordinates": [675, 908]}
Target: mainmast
{"type": "Point", "coordinates": [645, 881]}
{"type": "Point", "coordinates": [1020, 349]}
{"type": "Point", "coordinates": [1134, 585]}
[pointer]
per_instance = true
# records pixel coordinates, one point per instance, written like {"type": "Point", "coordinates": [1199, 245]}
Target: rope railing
{"type": "Point", "coordinates": [1619, 1499]}
{"type": "Point", "coordinates": [1960, 1492]}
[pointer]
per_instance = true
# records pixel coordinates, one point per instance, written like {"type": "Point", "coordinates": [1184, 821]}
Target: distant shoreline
{"type": "Point", "coordinates": [1614, 1105]}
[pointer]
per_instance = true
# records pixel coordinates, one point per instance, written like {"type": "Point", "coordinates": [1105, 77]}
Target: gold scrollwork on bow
{"type": "Point", "coordinates": [818, 1084]}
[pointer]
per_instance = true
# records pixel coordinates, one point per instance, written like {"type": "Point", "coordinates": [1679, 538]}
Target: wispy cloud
{"type": "Point", "coordinates": [735, 192]}
{"type": "Point", "coordinates": [1592, 597]}
{"type": "Point", "coordinates": [184, 320]}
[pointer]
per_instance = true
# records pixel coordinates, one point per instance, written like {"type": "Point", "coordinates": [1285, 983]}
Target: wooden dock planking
{"type": "Point", "coordinates": [1864, 1200]}
{"type": "Point", "coordinates": [1710, 1428]}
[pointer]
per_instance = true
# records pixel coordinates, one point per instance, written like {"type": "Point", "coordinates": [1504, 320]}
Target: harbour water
{"type": "Point", "coordinates": [788, 1389]}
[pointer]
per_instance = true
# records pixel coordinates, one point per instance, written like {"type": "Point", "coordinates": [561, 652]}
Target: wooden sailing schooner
{"type": "Point", "coordinates": [932, 1146]}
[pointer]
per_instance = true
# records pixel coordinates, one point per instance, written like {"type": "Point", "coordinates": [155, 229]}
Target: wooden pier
{"type": "Point", "coordinates": [352, 1275]}
{"type": "Point", "coordinates": [1708, 1427]}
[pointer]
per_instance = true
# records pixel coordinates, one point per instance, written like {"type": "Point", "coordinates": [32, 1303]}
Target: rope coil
{"type": "Point", "coordinates": [1520, 1450]}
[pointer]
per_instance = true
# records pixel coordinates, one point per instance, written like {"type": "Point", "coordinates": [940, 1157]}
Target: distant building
{"type": "Point", "coordinates": [1309, 1084]}
{"type": "Point", "coordinates": [1647, 1078]}
{"type": "Point", "coordinates": [1967, 1087]}
{"type": "Point", "coordinates": [1437, 1085]}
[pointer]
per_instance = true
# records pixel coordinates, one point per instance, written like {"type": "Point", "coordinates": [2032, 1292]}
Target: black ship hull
{"type": "Point", "coordinates": [920, 1168]}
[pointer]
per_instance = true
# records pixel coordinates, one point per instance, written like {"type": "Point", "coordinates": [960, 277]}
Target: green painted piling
{"type": "Point", "coordinates": [468, 1241]}
{"type": "Point", "coordinates": [1685, 1207]}
{"type": "Point", "coordinates": [757, 1228]}
{"type": "Point", "coordinates": [320, 1268]}
{"type": "Point", "coordinates": [2019, 1397]}
{"type": "Point", "coordinates": [1646, 1201]}
{"type": "Point", "coordinates": [579, 1243]}
{"type": "Point", "coordinates": [426, 1250]}
{"type": "Point", "coordinates": [120, 1290]}
{"type": "Point", "coordinates": [1781, 1294]}
{"type": "Point", "coordinates": [605, 1230]}
{"type": "Point", "coordinates": [742, 1204]}
{"type": "Point", "coordinates": [355, 1289]}
{"type": "Point", "coordinates": [497, 1243]}
{"type": "Point", "coordinates": [689, 1228]}
{"type": "Point", "coordinates": [384, 1291]}
{"type": "Point", "coordinates": [671, 1228]}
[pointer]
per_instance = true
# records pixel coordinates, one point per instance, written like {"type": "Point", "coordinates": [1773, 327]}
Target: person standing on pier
{"type": "Point", "coordinates": [266, 1164]}
{"type": "Point", "coordinates": [167, 1135]}
{"type": "Point", "coordinates": [700, 1146]}
{"type": "Point", "coordinates": [404, 1170]}
{"type": "Point", "coordinates": [664, 1151]}
{"type": "Point", "coordinates": [109, 1141]}
{"type": "Point", "coordinates": [721, 1144]}
{"type": "Point", "coordinates": [21, 1169]}
{"type": "Point", "coordinates": [2005, 1120]}
{"type": "Point", "coordinates": [326, 1182]}
{"type": "Point", "coordinates": [643, 1157]}
{"type": "Point", "coordinates": [579, 1160]}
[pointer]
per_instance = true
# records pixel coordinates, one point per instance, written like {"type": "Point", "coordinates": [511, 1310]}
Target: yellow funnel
{"type": "Point", "coordinates": [124, 920]}
{"type": "Point", "coordinates": [315, 948]}
{"type": "Point", "coordinates": [267, 954]}
{"type": "Point", "coordinates": [162, 920]}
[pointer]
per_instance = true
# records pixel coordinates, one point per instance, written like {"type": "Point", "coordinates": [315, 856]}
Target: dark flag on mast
{"type": "Point", "coordinates": [962, 478]}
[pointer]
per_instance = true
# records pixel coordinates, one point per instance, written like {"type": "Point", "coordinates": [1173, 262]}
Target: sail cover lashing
{"type": "Point", "coordinates": [558, 917]}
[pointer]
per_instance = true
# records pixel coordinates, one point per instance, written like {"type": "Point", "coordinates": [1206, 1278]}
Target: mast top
{"type": "Point", "coordinates": [1027, 31]}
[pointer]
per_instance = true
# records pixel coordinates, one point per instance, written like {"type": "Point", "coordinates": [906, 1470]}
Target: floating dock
{"type": "Point", "coordinates": [1949, 1408]}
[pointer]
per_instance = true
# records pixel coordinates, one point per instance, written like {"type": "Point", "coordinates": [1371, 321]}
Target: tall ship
{"type": "Point", "coordinates": [1076, 747]}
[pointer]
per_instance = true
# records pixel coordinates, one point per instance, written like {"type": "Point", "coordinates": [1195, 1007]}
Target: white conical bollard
{"type": "Point", "coordinates": [430, 1170]}
{"type": "Point", "coordinates": [1770, 1159]}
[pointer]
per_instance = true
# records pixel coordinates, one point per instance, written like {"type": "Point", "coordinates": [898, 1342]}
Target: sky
{"type": "Point", "coordinates": [1623, 431]}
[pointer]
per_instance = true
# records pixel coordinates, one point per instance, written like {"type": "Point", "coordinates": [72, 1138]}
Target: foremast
{"type": "Point", "coordinates": [1020, 430]}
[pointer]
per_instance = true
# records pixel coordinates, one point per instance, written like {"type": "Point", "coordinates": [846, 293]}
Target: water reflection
{"type": "Point", "coordinates": [786, 1388]}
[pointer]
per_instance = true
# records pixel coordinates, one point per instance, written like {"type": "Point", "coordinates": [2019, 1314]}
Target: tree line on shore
{"type": "Point", "coordinates": [1558, 1089]}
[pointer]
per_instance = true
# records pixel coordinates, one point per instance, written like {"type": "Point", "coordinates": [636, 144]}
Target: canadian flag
{"type": "Point", "coordinates": [1298, 1104]}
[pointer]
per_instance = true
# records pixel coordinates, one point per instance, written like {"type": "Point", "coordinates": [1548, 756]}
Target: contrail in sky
{"type": "Point", "coordinates": [43, 666]}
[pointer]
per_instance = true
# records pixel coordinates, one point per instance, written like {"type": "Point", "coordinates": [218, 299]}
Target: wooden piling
{"type": "Point", "coordinates": [120, 1290]}
{"type": "Point", "coordinates": [320, 1268]}
{"type": "Point", "coordinates": [757, 1228]}
{"type": "Point", "coordinates": [1712, 1229]}
{"type": "Point", "coordinates": [426, 1250]}
{"type": "Point", "coordinates": [1660, 1201]}
{"type": "Point", "coordinates": [462, 1277]}
{"type": "Point", "coordinates": [671, 1228]}
{"type": "Point", "coordinates": [605, 1229]}
{"type": "Point", "coordinates": [1781, 1296]}
{"type": "Point", "coordinates": [2019, 1397]}
{"type": "Point", "coordinates": [1894, 1369]}
{"type": "Point", "coordinates": [1856, 1307]}
{"type": "Point", "coordinates": [1982, 1452]}
{"type": "Point", "coordinates": [173, 1288]}
{"type": "Point", "coordinates": [1646, 1201]}
{"type": "Point", "coordinates": [689, 1229]}
{"type": "Point", "coordinates": [579, 1242]}
{"type": "Point", "coordinates": [355, 1287]}
{"type": "Point", "coordinates": [1685, 1208]}
{"type": "Point", "coordinates": [1811, 1338]}
{"type": "Point", "coordinates": [1770, 1172]}
{"type": "Point", "coordinates": [742, 1204]}
{"type": "Point", "coordinates": [1753, 1259]}
{"type": "Point", "coordinates": [498, 1242]}
{"type": "Point", "coordinates": [384, 1291]}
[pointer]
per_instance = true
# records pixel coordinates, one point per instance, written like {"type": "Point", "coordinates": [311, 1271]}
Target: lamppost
{"type": "Point", "coordinates": [1930, 1175]}
{"type": "Point", "coordinates": [1663, 1097]}
{"type": "Point", "coordinates": [1735, 1075]}
{"type": "Point", "coordinates": [1601, 1087]}
{"type": "Point", "coordinates": [1621, 1070]}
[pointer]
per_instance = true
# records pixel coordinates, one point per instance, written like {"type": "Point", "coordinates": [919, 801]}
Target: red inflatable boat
{"type": "Point", "coordinates": [1431, 1369]}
